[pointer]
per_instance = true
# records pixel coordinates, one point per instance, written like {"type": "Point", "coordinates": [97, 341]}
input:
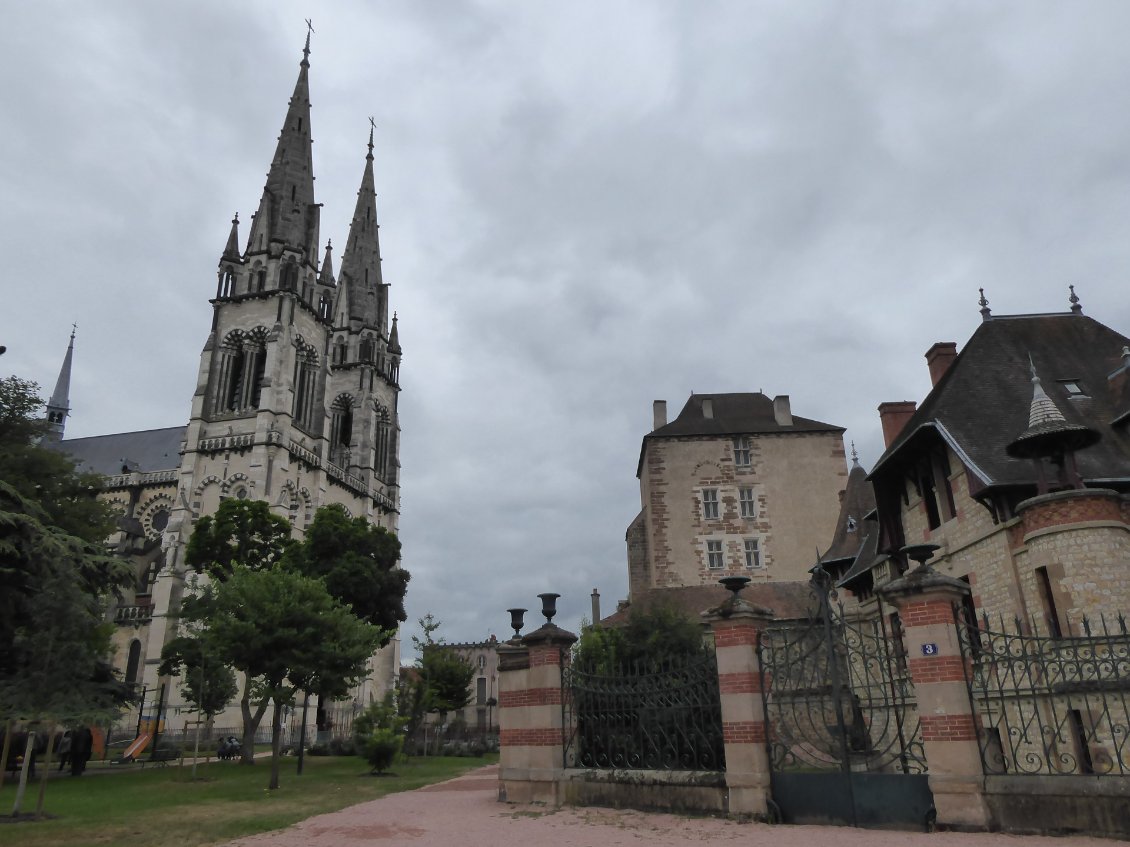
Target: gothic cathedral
{"type": "Point", "coordinates": [295, 403]}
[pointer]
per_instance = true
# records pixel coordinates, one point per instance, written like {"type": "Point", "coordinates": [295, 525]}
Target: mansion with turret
{"type": "Point", "coordinates": [295, 403]}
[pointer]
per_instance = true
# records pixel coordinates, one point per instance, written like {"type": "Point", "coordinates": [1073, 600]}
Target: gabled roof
{"type": "Point", "coordinates": [983, 401]}
{"type": "Point", "coordinates": [144, 452]}
{"type": "Point", "coordinates": [731, 414]}
{"type": "Point", "coordinates": [735, 414]}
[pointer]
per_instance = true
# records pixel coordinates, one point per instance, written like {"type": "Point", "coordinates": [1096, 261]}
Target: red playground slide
{"type": "Point", "coordinates": [136, 747]}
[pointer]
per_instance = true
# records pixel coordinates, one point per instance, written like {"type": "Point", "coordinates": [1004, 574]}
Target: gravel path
{"type": "Point", "coordinates": [465, 812]}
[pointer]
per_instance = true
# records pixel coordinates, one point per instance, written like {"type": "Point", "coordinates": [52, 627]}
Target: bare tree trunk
{"type": "Point", "coordinates": [276, 735]}
{"type": "Point", "coordinates": [46, 772]}
{"type": "Point", "coordinates": [7, 749]}
{"type": "Point", "coordinates": [29, 750]}
{"type": "Point", "coordinates": [251, 722]}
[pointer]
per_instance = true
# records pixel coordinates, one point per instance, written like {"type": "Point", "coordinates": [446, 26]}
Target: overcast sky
{"type": "Point", "coordinates": [584, 207]}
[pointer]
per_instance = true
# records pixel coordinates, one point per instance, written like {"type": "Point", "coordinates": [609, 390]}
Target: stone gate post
{"type": "Point", "coordinates": [925, 600]}
{"type": "Point", "coordinates": [530, 732]}
{"type": "Point", "coordinates": [736, 625]}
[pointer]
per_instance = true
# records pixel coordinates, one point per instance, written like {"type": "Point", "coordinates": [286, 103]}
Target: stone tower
{"type": "Point", "coordinates": [296, 398]}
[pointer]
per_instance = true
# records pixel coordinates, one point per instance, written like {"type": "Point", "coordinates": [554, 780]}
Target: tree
{"type": "Point", "coordinates": [209, 683]}
{"type": "Point", "coordinates": [650, 640]}
{"type": "Point", "coordinates": [285, 632]}
{"type": "Point", "coordinates": [241, 533]}
{"type": "Point", "coordinates": [358, 562]}
{"type": "Point", "coordinates": [439, 682]}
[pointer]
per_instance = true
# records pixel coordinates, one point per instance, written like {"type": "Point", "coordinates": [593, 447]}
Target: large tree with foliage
{"type": "Point", "coordinates": [284, 632]}
{"type": "Point", "coordinates": [358, 563]}
{"type": "Point", "coordinates": [241, 534]}
{"type": "Point", "coordinates": [55, 579]}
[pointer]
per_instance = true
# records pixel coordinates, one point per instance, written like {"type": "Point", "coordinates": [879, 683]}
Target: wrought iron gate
{"type": "Point", "coordinates": [842, 728]}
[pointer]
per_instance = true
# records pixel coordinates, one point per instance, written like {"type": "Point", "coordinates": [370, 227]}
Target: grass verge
{"type": "Point", "coordinates": [161, 807]}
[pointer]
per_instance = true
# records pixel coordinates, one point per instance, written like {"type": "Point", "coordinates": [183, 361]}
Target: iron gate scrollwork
{"type": "Point", "coordinates": [1050, 703]}
{"type": "Point", "coordinates": [668, 718]}
{"type": "Point", "coordinates": [842, 729]}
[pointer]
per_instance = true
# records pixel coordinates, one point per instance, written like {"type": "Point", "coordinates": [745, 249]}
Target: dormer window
{"type": "Point", "coordinates": [851, 524]}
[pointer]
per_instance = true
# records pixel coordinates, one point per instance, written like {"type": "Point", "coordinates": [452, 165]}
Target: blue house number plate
{"type": "Point", "coordinates": [930, 649]}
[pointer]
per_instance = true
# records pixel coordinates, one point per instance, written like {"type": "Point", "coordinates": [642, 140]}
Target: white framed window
{"type": "Point", "coordinates": [714, 559]}
{"type": "Point", "coordinates": [753, 553]}
{"type": "Point", "coordinates": [741, 451]}
{"type": "Point", "coordinates": [747, 501]}
{"type": "Point", "coordinates": [710, 503]}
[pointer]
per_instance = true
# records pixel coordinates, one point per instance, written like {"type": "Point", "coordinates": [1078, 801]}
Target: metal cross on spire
{"type": "Point", "coordinates": [306, 49]}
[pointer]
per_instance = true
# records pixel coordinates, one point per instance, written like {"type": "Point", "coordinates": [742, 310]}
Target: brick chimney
{"type": "Point", "coordinates": [894, 416]}
{"type": "Point", "coordinates": [658, 414]}
{"type": "Point", "coordinates": [782, 410]}
{"type": "Point", "coordinates": [939, 358]}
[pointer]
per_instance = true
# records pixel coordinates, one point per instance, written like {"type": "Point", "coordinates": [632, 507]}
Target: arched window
{"type": "Point", "coordinates": [339, 352]}
{"type": "Point", "coordinates": [227, 283]}
{"type": "Point", "coordinates": [260, 280]}
{"type": "Point", "coordinates": [341, 430]}
{"type": "Point", "coordinates": [368, 349]}
{"type": "Point", "coordinates": [305, 373]}
{"type": "Point", "coordinates": [240, 367]}
{"type": "Point", "coordinates": [288, 277]}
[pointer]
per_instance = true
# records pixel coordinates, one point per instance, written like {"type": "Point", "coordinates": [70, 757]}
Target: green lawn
{"type": "Point", "coordinates": [155, 807]}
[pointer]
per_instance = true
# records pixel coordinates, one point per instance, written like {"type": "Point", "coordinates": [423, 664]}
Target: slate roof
{"type": "Point", "coordinates": [983, 401]}
{"type": "Point", "coordinates": [146, 451]}
{"type": "Point", "coordinates": [735, 414]}
{"type": "Point", "coordinates": [851, 529]}
{"type": "Point", "coordinates": [788, 600]}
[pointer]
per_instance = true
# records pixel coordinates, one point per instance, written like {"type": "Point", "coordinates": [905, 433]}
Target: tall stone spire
{"type": "Point", "coordinates": [361, 260]}
{"type": "Point", "coordinates": [287, 213]}
{"type": "Point", "coordinates": [59, 406]}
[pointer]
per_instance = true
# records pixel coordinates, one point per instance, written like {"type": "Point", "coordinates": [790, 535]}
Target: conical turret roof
{"type": "Point", "coordinates": [1048, 432]}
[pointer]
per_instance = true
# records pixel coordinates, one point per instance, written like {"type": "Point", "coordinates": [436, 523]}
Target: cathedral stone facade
{"type": "Point", "coordinates": [295, 402]}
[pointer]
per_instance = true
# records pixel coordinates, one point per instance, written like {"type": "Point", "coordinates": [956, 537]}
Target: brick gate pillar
{"type": "Point", "coordinates": [530, 734]}
{"type": "Point", "coordinates": [925, 600]}
{"type": "Point", "coordinates": [736, 625]}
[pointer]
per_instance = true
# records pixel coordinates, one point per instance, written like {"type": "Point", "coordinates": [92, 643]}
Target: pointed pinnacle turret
{"type": "Point", "coordinates": [59, 406]}
{"type": "Point", "coordinates": [361, 260]}
{"type": "Point", "coordinates": [287, 212]}
{"type": "Point", "coordinates": [394, 338]}
{"type": "Point", "coordinates": [231, 249]}
{"type": "Point", "coordinates": [326, 275]}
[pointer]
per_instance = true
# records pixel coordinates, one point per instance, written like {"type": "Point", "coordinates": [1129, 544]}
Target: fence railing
{"type": "Point", "coordinates": [1050, 704]}
{"type": "Point", "coordinates": [639, 718]}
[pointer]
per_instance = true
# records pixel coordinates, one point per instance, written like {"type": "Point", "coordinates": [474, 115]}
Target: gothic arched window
{"type": "Point", "coordinates": [305, 373]}
{"type": "Point", "coordinates": [368, 349]}
{"type": "Point", "coordinates": [288, 277]}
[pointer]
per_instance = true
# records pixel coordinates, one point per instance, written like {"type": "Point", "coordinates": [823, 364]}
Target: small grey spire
{"type": "Point", "coordinates": [984, 304]}
{"type": "Point", "coordinates": [1076, 309]}
{"type": "Point", "coordinates": [854, 455]}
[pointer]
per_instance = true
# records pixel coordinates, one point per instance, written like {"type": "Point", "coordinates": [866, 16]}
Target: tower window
{"type": "Point", "coordinates": [753, 553]}
{"type": "Point", "coordinates": [742, 452]}
{"type": "Point", "coordinates": [747, 502]}
{"type": "Point", "coordinates": [714, 559]}
{"type": "Point", "coordinates": [710, 503]}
